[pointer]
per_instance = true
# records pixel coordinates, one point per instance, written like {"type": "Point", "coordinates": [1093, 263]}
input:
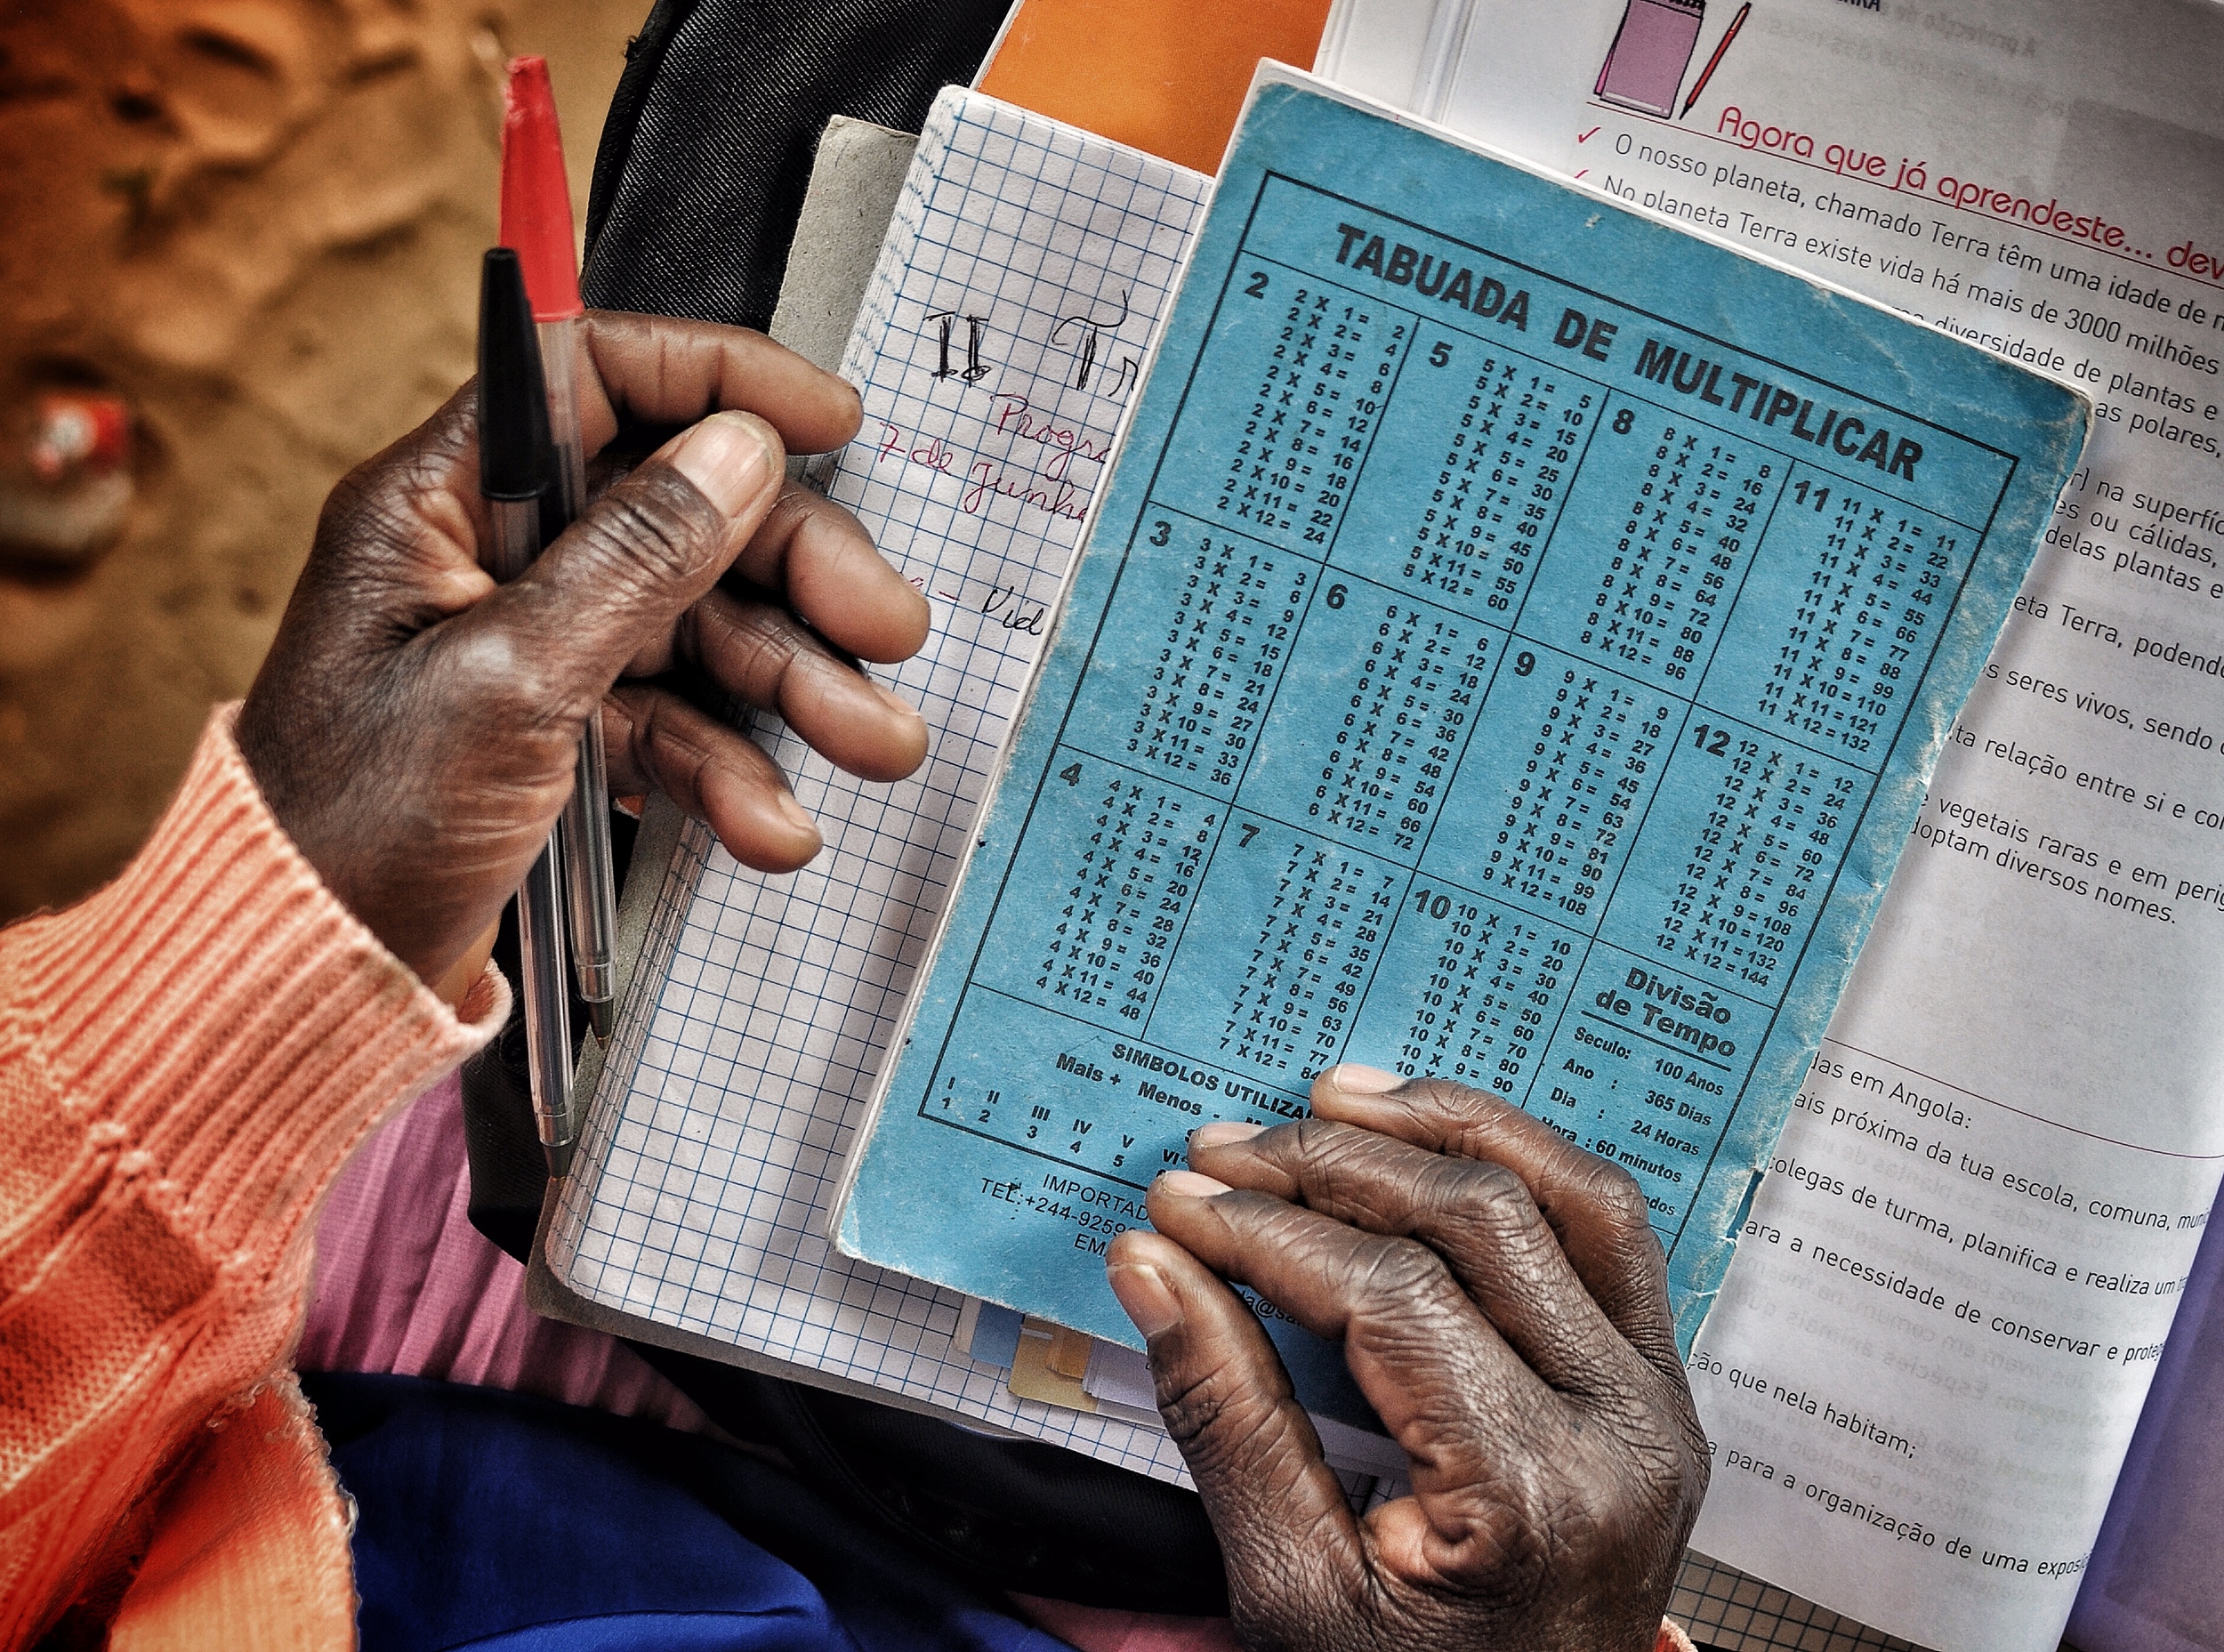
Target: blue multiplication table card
{"type": "Point", "coordinates": [1512, 647]}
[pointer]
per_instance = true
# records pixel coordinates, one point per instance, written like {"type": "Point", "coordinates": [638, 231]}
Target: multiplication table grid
{"type": "Point", "coordinates": [1531, 764]}
{"type": "Point", "coordinates": [1511, 651]}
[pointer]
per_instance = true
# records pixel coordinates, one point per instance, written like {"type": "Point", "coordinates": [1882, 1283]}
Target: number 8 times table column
{"type": "Point", "coordinates": [1459, 708]}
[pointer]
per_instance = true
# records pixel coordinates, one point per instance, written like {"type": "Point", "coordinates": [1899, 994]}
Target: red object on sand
{"type": "Point", "coordinates": [537, 195]}
{"type": "Point", "coordinates": [80, 429]}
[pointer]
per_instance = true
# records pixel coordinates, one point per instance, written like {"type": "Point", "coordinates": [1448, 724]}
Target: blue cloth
{"type": "Point", "coordinates": [494, 1521]}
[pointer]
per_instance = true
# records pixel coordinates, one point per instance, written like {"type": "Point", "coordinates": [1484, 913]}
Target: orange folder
{"type": "Point", "coordinates": [1167, 77]}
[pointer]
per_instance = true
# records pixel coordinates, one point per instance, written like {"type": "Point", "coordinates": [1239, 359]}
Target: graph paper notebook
{"type": "Point", "coordinates": [1000, 341]}
{"type": "Point", "coordinates": [1512, 646]}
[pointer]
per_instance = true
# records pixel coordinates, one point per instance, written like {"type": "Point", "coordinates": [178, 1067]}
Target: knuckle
{"type": "Point", "coordinates": [1513, 1537]}
{"type": "Point", "coordinates": [682, 764]}
{"type": "Point", "coordinates": [368, 514]}
{"type": "Point", "coordinates": [355, 496]}
{"type": "Point", "coordinates": [657, 523]}
{"type": "Point", "coordinates": [1345, 1162]}
{"type": "Point", "coordinates": [1223, 1425]}
{"type": "Point", "coordinates": [1616, 1194]}
{"type": "Point", "coordinates": [754, 645]}
{"type": "Point", "coordinates": [1480, 1192]}
{"type": "Point", "coordinates": [487, 659]}
{"type": "Point", "coordinates": [381, 498]}
{"type": "Point", "coordinates": [1406, 1315]}
{"type": "Point", "coordinates": [1392, 1277]}
{"type": "Point", "coordinates": [669, 746]}
{"type": "Point", "coordinates": [1310, 1146]}
{"type": "Point", "coordinates": [1457, 1103]}
{"type": "Point", "coordinates": [1481, 1213]}
{"type": "Point", "coordinates": [527, 690]}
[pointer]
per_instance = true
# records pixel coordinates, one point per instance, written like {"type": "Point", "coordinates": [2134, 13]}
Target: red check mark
{"type": "Point", "coordinates": [1586, 137]}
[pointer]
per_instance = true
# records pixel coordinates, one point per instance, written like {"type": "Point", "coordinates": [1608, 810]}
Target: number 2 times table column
{"type": "Point", "coordinates": [1491, 688]}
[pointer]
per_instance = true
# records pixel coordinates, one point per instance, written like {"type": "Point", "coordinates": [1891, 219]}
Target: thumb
{"type": "Point", "coordinates": [620, 575]}
{"type": "Point", "coordinates": [1276, 1506]}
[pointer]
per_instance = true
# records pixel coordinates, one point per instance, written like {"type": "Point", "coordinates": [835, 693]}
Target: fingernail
{"type": "Point", "coordinates": [729, 456]}
{"type": "Point", "coordinates": [894, 702]}
{"type": "Point", "coordinates": [1220, 1135]}
{"type": "Point", "coordinates": [1145, 1297]}
{"type": "Point", "coordinates": [793, 813]}
{"type": "Point", "coordinates": [1189, 1184]}
{"type": "Point", "coordinates": [1355, 1080]}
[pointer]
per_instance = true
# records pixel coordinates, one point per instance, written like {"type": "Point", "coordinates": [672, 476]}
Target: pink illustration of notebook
{"type": "Point", "coordinates": [1651, 50]}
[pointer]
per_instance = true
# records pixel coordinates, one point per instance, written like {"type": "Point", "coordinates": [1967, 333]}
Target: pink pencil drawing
{"type": "Point", "coordinates": [1645, 66]}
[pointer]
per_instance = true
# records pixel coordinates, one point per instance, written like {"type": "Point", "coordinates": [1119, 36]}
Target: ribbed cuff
{"type": "Point", "coordinates": [231, 1030]}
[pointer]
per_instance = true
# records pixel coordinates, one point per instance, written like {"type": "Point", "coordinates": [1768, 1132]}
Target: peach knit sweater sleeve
{"type": "Point", "coordinates": [186, 1059]}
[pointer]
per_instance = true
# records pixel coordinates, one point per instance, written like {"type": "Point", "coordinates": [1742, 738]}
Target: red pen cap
{"type": "Point", "coordinates": [537, 196]}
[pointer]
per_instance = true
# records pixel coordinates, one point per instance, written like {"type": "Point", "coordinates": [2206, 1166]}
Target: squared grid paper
{"type": "Point", "coordinates": [746, 1056]}
{"type": "Point", "coordinates": [1722, 1607]}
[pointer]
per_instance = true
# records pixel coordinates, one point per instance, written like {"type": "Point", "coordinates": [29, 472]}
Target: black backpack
{"type": "Point", "coordinates": [697, 186]}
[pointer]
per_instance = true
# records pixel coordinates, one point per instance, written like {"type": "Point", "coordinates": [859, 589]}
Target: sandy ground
{"type": "Point", "coordinates": [239, 244]}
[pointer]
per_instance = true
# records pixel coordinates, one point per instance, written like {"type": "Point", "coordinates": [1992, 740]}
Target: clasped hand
{"type": "Point", "coordinates": [1503, 1305]}
{"type": "Point", "coordinates": [1499, 1293]}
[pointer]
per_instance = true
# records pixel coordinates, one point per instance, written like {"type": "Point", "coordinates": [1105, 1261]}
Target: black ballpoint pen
{"type": "Point", "coordinates": [517, 466]}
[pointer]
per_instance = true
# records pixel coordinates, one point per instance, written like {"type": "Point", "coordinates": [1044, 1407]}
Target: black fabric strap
{"type": "Point", "coordinates": [708, 147]}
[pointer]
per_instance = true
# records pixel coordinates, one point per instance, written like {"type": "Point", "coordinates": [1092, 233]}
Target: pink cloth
{"type": "Point", "coordinates": [404, 1283]}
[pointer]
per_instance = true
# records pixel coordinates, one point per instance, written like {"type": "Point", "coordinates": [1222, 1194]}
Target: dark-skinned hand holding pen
{"type": "Point", "coordinates": [415, 728]}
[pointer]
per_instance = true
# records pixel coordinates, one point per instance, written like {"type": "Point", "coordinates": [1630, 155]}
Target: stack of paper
{"type": "Point", "coordinates": [2013, 1112]}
